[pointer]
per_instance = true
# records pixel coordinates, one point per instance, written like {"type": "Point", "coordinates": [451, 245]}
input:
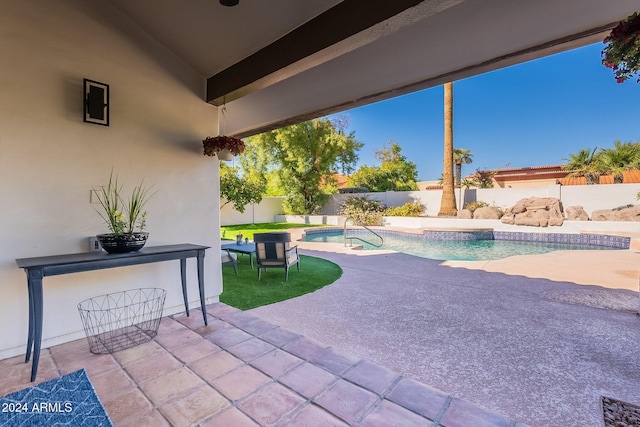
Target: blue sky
{"type": "Point", "coordinates": [531, 114]}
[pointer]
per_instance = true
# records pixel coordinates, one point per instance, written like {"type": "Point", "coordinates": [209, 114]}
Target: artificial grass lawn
{"type": "Point", "coordinates": [229, 232]}
{"type": "Point", "coordinates": [245, 292]}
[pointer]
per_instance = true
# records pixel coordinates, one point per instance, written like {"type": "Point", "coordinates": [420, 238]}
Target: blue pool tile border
{"type": "Point", "coordinates": [458, 235]}
{"type": "Point", "coordinates": [609, 241]}
{"type": "Point", "coordinates": [618, 242]}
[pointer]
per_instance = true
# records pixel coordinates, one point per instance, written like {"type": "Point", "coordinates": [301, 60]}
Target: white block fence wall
{"type": "Point", "coordinates": [590, 197]}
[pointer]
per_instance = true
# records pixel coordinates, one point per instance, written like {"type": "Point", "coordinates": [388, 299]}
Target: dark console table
{"type": "Point", "coordinates": [38, 268]}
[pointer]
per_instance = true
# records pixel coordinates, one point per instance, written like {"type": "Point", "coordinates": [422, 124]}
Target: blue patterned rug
{"type": "Point", "coordinates": [69, 400]}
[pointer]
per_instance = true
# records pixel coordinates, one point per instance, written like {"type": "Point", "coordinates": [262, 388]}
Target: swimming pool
{"type": "Point", "coordinates": [473, 246]}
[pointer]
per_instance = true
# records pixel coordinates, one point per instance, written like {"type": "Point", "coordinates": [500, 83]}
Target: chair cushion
{"type": "Point", "coordinates": [274, 253]}
{"type": "Point", "coordinates": [273, 263]}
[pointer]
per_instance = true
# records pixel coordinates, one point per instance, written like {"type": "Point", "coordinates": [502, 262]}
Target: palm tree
{"type": "Point", "coordinates": [584, 163]}
{"type": "Point", "coordinates": [448, 201]}
{"type": "Point", "coordinates": [461, 156]}
{"type": "Point", "coordinates": [617, 160]}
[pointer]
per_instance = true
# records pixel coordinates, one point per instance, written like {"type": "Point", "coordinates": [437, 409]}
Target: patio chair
{"type": "Point", "coordinates": [273, 251]}
{"type": "Point", "coordinates": [229, 258]}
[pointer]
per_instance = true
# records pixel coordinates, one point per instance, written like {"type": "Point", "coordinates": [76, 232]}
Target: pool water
{"type": "Point", "coordinates": [463, 250]}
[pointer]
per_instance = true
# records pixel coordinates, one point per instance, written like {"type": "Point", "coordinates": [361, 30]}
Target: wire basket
{"type": "Point", "coordinates": [122, 320]}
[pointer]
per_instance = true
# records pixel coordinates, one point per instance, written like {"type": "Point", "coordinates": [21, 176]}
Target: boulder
{"type": "Point", "coordinates": [488, 212]}
{"type": "Point", "coordinates": [628, 214]}
{"type": "Point", "coordinates": [577, 213]}
{"type": "Point", "coordinates": [538, 213]}
{"type": "Point", "coordinates": [465, 214]}
{"type": "Point", "coordinates": [522, 219]}
{"type": "Point", "coordinates": [602, 215]}
{"type": "Point", "coordinates": [508, 219]}
{"type": "Point", "coordinates": [623, 213]}
{"type": "Point", "coordinates": [519, 207]}
{"type": "Point", "coordinates": [535, 212]}
{"type": "Point", "coordinates": [556, 222]}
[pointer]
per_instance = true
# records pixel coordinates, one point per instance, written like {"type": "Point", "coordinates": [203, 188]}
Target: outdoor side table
{"type": "Point", "coordinates": [39, 267]}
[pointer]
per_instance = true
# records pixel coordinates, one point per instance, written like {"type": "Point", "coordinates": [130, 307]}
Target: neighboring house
{"type": "Point", "coordinates": [537, 176]}
{"type": "Point", "coordinates": [339, 180]}
{"type": "Point", "coordinates": [429, 185]}
{"type": "Point", "coordinates": [628, 177]}
{"type": "Point", "coordinates": [533, 176]}
{"type": "Point", "coordinates": [171, 67]}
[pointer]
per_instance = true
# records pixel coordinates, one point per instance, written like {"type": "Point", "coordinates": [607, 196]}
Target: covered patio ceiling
{"type": "Point", "coordinates": [279, 62]}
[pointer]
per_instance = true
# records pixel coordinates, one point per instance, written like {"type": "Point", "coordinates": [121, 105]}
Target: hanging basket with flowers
{"type": "Point", "coordinates": [622, 52]}
{"type": "Point", "coordinates": [225, 147]}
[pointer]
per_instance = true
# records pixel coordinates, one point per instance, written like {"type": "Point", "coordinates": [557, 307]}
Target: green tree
{"type": "Point", "coordinates": [615, 161]}
{"type": "Point", "coordinates": [239, 190]}
{"type": "Point", "coordinates": [461, 156]}
{"type": "Point", "coordinates": [584, 163]}
{"type": "Point", "coordinates": [394, 173]}
{"type": "Point", "coordinates": [302, 159]}
{"type": "Point", "coordinates": [257, 162]}
{"type": "Point", "coordinates": [448, 200]}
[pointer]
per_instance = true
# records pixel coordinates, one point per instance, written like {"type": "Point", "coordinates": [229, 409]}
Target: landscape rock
{"type": "Point", "coordinates": [487, 212]}
{"type": "Point", "coordinates": [556, 222]}
{"type": "Point", "coordinates": [623, 213]}
{"type": "Point", "coordinates": [465, 214]}
{"type": "Point", "coordinates": [535, 212]}
{"type": "Point", "coordinates": [522, 219]}
{"type": "Point", "coordinates": [602, 215]}
{"type": "Point", "coordinates": [577, 213]}
{"type": "Point", "coordinates": [508, 218]}
{"type": "Point", "coordinates": [519, 207]}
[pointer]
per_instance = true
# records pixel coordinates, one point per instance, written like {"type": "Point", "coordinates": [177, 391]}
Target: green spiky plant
{"type": "Point", "coordinates": [123, 216]}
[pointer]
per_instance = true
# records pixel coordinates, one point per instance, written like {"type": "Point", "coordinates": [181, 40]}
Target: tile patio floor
{"type": "Point", "coordinates": [244, 371]}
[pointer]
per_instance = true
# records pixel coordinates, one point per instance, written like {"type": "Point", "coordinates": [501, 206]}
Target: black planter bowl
{"type": "Point", "coordinates": [122, 243]}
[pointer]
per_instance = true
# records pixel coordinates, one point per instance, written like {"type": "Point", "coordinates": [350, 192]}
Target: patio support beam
{"type": "Point", "coordinates": [341, 29]}
{"type": "Point", "coordinates": [549, 48]}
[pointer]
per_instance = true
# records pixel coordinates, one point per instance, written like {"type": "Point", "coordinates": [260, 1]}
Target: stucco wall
{"type": "Point", "coordinates": [49, 158]}
{"type": "Point", "coordinates": [253, 213]}
{"type": "Point", "coordinates": [594, 197]}
{"type": "Point", "coordinates": [591, 197]}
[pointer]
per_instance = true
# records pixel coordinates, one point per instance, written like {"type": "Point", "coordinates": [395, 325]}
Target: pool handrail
{"type": "Point", "coordinates": [351, 238]}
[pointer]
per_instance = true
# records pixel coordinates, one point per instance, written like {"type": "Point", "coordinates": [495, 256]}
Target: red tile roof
{"type": "Point", "coordinates": [529, 173]}
{"type": "Point", "coordinates": [628, 177]}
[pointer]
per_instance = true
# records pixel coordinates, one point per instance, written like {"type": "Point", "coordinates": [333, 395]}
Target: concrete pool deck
{"type": "Point", "coordinates": [617, 269]}
{"type": "Point", "coordinates": [537, 338]}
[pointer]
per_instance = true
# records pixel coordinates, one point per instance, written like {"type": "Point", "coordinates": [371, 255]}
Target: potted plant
{"type": "Point", "coordinates": [125, 217]}
{"type": "Point", "coordinates": [622, 53]}
{"type": "Point", "coordinates": [225, 147]}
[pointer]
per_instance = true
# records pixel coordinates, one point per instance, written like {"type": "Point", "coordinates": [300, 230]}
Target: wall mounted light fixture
{"type": "Point", "coordinates": [96, 102]}
{"type": "Point", "coordinates": [229, 2]}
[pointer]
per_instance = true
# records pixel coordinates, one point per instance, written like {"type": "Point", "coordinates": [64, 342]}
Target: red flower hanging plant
{"type": "Point", "coordinates": [622, 53]}
{"type": "Point", "coordinates": [215, 144]}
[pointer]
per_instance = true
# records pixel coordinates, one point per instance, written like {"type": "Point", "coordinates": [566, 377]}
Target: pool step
{"type": "Point", "coordinates": [353, 248]}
